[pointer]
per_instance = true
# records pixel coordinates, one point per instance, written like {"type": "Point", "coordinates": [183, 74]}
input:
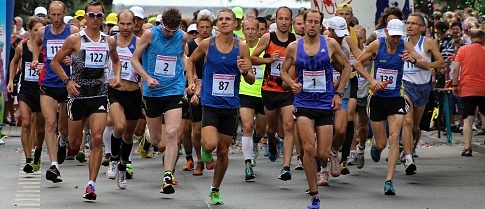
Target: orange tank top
{"type": "Point", "coordinates": [272, 80]}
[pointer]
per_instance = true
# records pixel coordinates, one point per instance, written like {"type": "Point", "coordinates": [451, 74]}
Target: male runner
{"type": "Point", "coordinates": [227, 59]}
{"type": "Point", "coordinates": [315, 97]}
{"type": "Point", "coordinates": [53, 93]}
{"type": "Point", "coordinates": [299, 25]}
{"type": "Point", "coordinates": [278, 103]}
{"type": "Point", "coordinates": [87, 86]}
{"type": "Point", "coordinates": [417, 84]}
{"type": "Point", "coordinates": [162, 49]}
{"type": "Point", "coordinates": [387, 103]}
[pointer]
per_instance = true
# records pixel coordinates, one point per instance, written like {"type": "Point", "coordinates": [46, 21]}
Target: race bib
{"type": "Point", "coordinates": [53, 46]}
{"type": "Point", "coordinates": [351, 60]}
{"type": "Point", "coordinates": [96, 57]}
{"type": "Point", "coordinates": [165, 66]}
{"type": "Point", "coordinates": [223, 85]}
{"type": "Point", "coordinates": [336, 76]}
{"type": "Point", "coordinates": [32, 74]}
{"type": "Point", "coordinates": [126, 67]}
{"type": "Point", "coordinates": [389, 75]}
{"type": "Point", "coordinates": [360, 79]}
{"type": "Point", "coordinates": [258, 71]}
{"type": "Point", "coordinates": [314, 81]}
{"type": "Point", "coordinates": [276, 66]}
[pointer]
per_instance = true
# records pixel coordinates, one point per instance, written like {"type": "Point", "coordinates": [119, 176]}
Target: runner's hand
{"type": "Point", "coordinates": [275, 56]}
{"type": "Point", "coordinates": [67, 60]}
{"type": "Point", "coordinates": [296, 88]}
{"type": "Point", "coordinates": [195, 100]}
{"type": "Point", "coordinates": [115, 83]}
{"type": "Point", "coordinates": [10, 87]}
{"type": "Point", "coordinates": [336, 102]}
{"type": "Point", "coordinates": [72, 87]}
{"type": "Point", "coordinates": [242, 65]}
{"type": "Point", "coordinates": [152, 83]}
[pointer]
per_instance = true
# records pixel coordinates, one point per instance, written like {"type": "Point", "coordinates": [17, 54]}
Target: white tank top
{"type": "Point", "coordinates": [413, 73]}
{"type": "Point", "coordinates": [127, 70]}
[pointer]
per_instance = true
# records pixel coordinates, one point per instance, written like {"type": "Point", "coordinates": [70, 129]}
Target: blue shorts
{"type": "Point", "coordinates": [417, 93]}
{"type": "Point", "coordinates": [345, 104]}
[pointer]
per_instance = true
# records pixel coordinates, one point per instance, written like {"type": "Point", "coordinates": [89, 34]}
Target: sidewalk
{"type": "Point", "coordinates": [457, 139]}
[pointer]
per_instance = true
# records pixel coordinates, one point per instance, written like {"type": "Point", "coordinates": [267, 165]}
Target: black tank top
{"type": "Point", "coordinates": [29, 80]}
{"type": "Point", "coordinates": [199, 65]}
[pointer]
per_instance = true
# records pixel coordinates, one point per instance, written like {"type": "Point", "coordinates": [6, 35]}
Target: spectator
{"type": "Point", "coordinates": [252, 13]}
{"type": "Point", "coordinates": [79, 15]}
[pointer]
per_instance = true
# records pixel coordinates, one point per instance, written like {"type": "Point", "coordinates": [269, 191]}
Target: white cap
{"type": "Point", "coordinates": [339, 25]}
{"type": "Point", "coordinates": [40, 10]}
{"type": "Point", "coordinates": [192, 27]}
{"type": "Point", "coordinates": [205, 12]}
{"type": "Point", "coordinates": [67, 18]}
{"type": "Point", "coordinates": [138, 11]}
{"type": "Point", "coordinates": [395, 27]}
{"type": "Point", "coordinates": [159, 18]}
{"type": "Point", "coordinates": [272, 27]}
{"type": "Point", "coordinates": [325, 23]}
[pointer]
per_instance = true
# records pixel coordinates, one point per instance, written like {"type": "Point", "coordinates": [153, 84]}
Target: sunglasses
{"type": "Point", "coordinates": [92, 15]}
{"type": "Point", "coordinates": [40, 15]}
{"type": "Point", "coordinates": [168, 30]}
{"type": "Point", "coordinates": [110, 25]}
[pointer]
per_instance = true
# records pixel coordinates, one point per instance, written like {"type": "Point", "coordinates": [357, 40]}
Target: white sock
{"type": "Point", "coordinates": [323, 169]}
{"type": "Point", "coordinates": [107, 138]}
{"type": "Point", "coordinates": [409, 158]}
{"type": "Point", "coordinates": [247, 147]}
{"type": "Point", "coordinates": [360, 150]}
{"type": "Point", "coordinates": [55, 163]}
{"type": "Point", "coordinates": [92, 183]}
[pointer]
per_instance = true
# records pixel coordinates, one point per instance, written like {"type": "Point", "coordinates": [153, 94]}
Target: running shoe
{"type": "Point", "coordinates": [189, 165]}
{"type": "Point", "coordinates": [198, 170]}
{"type": "Point", "coordinates": [299, 164]}
{"type": "Point", "coordinates": [112, 170]}
{"type": "Point", "coordinates": [69, 156]}
{"type": "Point", "coordinates": [280, 147]}
{"type": "Point", "coordinates": [144, 153]}
{"type": "Point", "coordinates": [249, 172]}
{"type": "Point", "coordinates": [360, 161]}
{"type": "Point", "coordinates": [273, 152]}
{"type": "Point", "coordinates": [285, 175]}
{"type": "Point", "coordinates": [2, 142]}
{"type": "Point", "coordinates": [375, 154]}
{"type": "Point", "coordinates": [255, 150]}
{"type": "Point", "coordinates": [410, 167]}
{"type": "Point", "coordinates": [167, 186]}
{"type": "Point", "coordinates": [36, 165]}
{"type": "Point", "coordinates": [90, 193]}
{"type": "Point", "coordinates": [343, 168]}
{"type": "Point", "coordinates": [61, 150]}
{"type": "Point", "coordinates": [210, 165]}
{"type": "Point", "coordinates": [323, 181]}
{"type": "Point", "coordinates": [389, 188]}
{"type": "Point", "coordinates": [315, 203]}
{"type": "Point", "coordinates": [28, 168]}
{"type": "Point", "coordinates": [334, 166]}
{"type": "Point", "coordinates": [467, 152]}
{"type": "Point", "coordinates": [121, 177]}
{"type": "Point", "coordinates": [53, 174]}
{"type": "Point", "coordinates": [415, 154]}
{"type": "Point", "coordinates": [106, 158]}
{"type": "Point", "coordinates": [81, 157]}
{"type": "Point", "coordinates": [129, 171]}
{"type": "Point", "coordinates": [216, 198]}
{"type": "Point", "coordinates": [352, 159]}
{"type": "Point", "coordinates": [206, 156]}
{"type": "Point", "coordinates": [266, 150]}
{"type": "Point", "coordinates": [253, 162]}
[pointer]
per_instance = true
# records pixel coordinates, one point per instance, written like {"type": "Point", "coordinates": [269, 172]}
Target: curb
{"type": "Point", "coordinates": [476, 147]}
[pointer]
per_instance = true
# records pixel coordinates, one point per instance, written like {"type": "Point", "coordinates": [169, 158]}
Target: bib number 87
{"type": "Point", "coordinates": [223, 85]}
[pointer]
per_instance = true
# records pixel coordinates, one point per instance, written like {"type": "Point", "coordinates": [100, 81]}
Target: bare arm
{"type": "Point", "coordinates": [183, 55]}
{"type": "Point", "coordinates": [364, 57]}
{"type": "Point", "coordinates": [354, 48]}
{"type": "Point", "coordinates": [339, 57]}
{"type": "Point", "coordinates": [135, 59]}
{"type": "Point", "coordinates": [439, 62]}
{"type": "Point", "coordinates": [420, 62]}
{"type": "Point", "coordinates": [244, 63]}
{"type": "Point", "coordinates": [456, 72]}
{"type": "Point", "coordinates": [116, 62]}
{"type": "Point", "coordinates": [198, 54]}
{"type": "Point", "coordinates": [288, 66]}
{"type": "Point", "coordinates": [263, 43]}
{"type": "Point", "coordinates": [14, 66]}
{"type": "Point", "coordinates": [37, 46]}
{"type": "Point", "coordinates": [372, 37]}
{"type": "Point", "coordinates": [67, 48]}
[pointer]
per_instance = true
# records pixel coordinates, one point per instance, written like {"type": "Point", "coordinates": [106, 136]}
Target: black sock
{"type": "Point", "coordinates": [125, 150]}
{"type": "Point", "coordinates": [155, 148]}
{"type": "Point", "coordinates": [37, 153]}
{"type": "Point", "coordinates": [286, 168]}
{"type": "Point", "coordinates": [28, 160]}
{"type": "Point", "coordinates": [147, 145]}
{"type": "Point", "coordinates": [122, 166]}
{"type": "Point", "coordinates": [188, 156]}
{"type": "Point", "coordinates": [349, 134]}
{"type": "Point", "coordinates": [215, 189]}
{"type": "Point", "coordinates": [115, 146]}
{"type": "Point", "coordinates": [247, 161]}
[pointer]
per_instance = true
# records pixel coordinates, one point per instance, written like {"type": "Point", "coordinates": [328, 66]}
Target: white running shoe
{"type": "Point", "coordinates": [112, 169]}
{"type": "Point", "coordinates": [121, 179]}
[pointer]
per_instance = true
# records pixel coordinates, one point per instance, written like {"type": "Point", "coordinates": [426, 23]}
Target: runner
{"type": "Point", "coordinates": [299, 25]}
{"type": "Point", "coordinates": [139, 20]}
{"type": "Point", "coordinates": [53, 92]}
{"type": "Point", "coordinates": [417, 84]}
{"type": "Point", "coordinates": [278, 103]}
{"type": "Point", "coordinates": [125, 101]}
{"type": "Point", "coordinates": [204, 27]}
{"type": "Point", "coordinates": [387, 103]}
{"type": "Point", "coordinates": [29, 97]}
{"type": "Point", "coordinates": [252, 109]}
{"type": "Point", "coordinates": [315, 97]}
{"type": "Point", "coordinates": [162, 48]}
{"type": "Point", "coordinates": [226, 61]}
{"type": "Point", "coordinates": [87, 86]}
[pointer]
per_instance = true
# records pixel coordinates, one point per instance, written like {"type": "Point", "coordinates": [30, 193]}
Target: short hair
{"type": "Point", "coordinates": [422, 21]}
{"type": "Point", "coordinates": [283, 7]}
{"type": "Point", "coordinates": [312, 11]}
{"type": "Point", "coordinates": [477, 34]}
{"type": "Point", "coordinates": [126, 11]}
{"type": "Point", "coordinates": [442, 26]}
{"type": "Point", "coordinates": [456, 24]}
{"type": "Point", "coordinates": [204, 18]}
{"type": "Point", "coordinates": [57, 2]}
{"type": "Point", "coordinates": [300, 14]}
{"type": "Point", "coordinates": [31, 22]}
{"type": "Point", "coordinates": [262, 20]}
{"type": "Point", "coordinates": [93, 4]}
{"type": "Point", "coordinates": [251, 20]}
{"type": "Point", "coordinates": [256, 12]}
{"type": "Point", "coordinates": [228, 10]}
{"type": "Point", "coordinates": [171, 17]}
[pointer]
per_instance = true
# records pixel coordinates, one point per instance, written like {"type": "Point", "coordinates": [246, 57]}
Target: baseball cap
{"type": "Point", "coordinates": [339, 25]}
{"type": "Point", "coordinates": [205, 12]}
{"type": "Point", "coordinates": [159, 18]}
{"type": "Point", "coordinates": [67, 18]}
{"type": "Point", "coordinates": [325, 23]}
{"type": "Point", "coordinates": [239, 12]}
{"type": "Point", "coordinates": [395, 27]}
{"type": "Point", "coordinates": [112, 18]}
{"type": "Point", "coordinates": [79, 13]}
{"type": "Point", "coordinates": [138, 11]}
{"type": "Point", "coordinates": [343, 6]}
{"type": "Point", "coordinates": [40, 10]}
{"type": "Point", "coordinates": [272, 27]}
{"type": "Point", "coordinates": [192, 27]}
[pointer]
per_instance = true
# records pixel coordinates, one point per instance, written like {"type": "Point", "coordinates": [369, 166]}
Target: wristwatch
{"type": "Point", "coordinates": [245, 73]}
{"type": "Point", "coordinates": [341, 95]}
{"type": "Point", "coordinates": [66, 81]}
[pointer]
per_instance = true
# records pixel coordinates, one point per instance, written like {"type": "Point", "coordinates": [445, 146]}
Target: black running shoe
{"type": "Point", "coordinates": [28, 168]}
{"type": "Point", "coordinates": [61, 151]}
{"type": "Point", "coordinates": [53, 174]}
